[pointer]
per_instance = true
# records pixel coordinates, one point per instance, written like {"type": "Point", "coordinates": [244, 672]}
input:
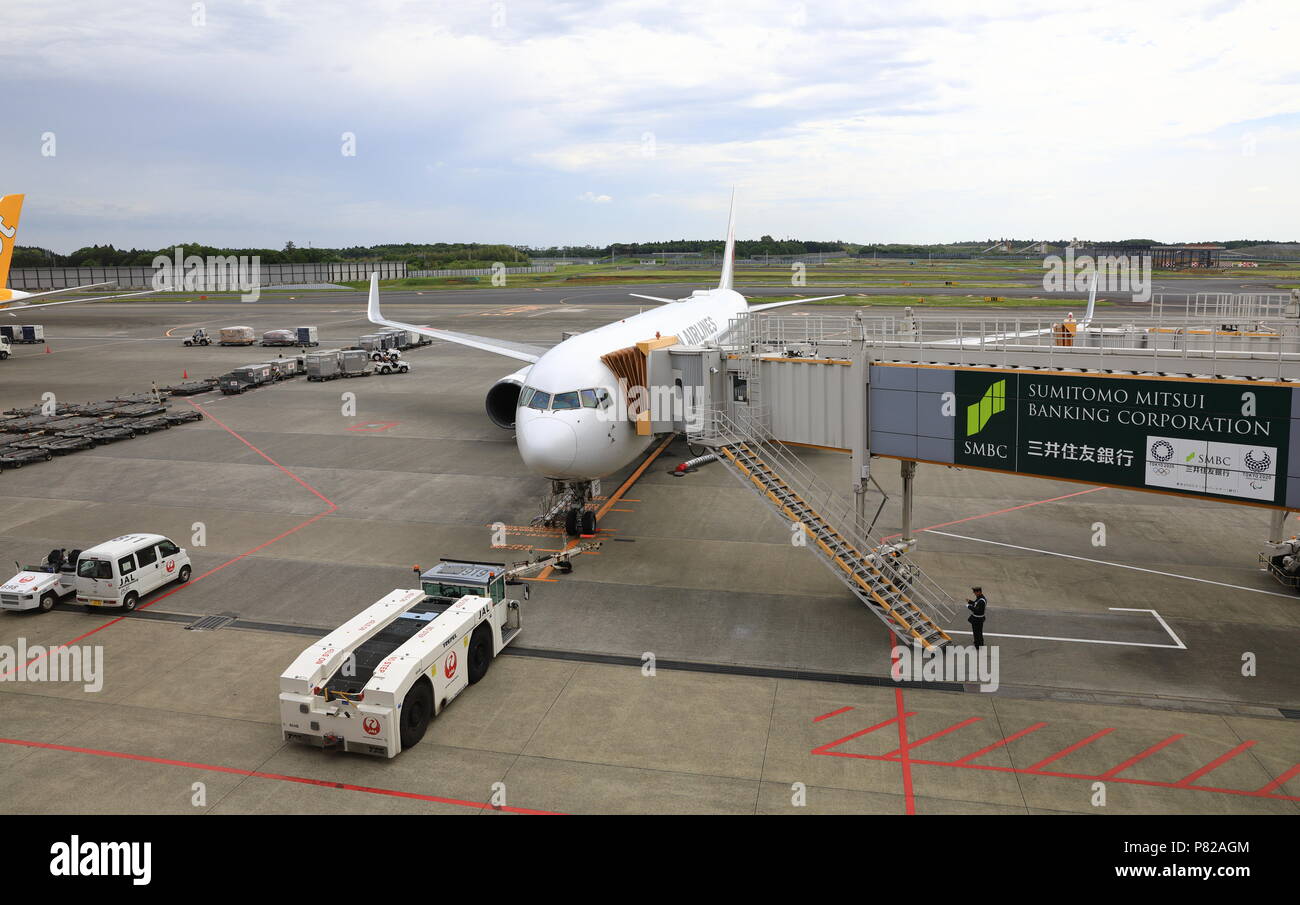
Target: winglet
{"type": "Point", "coordinates": [372, 309]}
{"type": "Point", "coordinates": [729, 253]}
{"type": "Point", "coordinates": [10, 207]}
{"type": "Point", "coordinates": [1092, 300]}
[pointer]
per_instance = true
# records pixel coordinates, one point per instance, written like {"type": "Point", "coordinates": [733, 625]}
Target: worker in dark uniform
{"type": "Point", "coordinates": [976, 617]}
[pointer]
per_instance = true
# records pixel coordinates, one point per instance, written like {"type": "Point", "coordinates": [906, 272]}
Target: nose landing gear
{"type": "Point", "coordinates": [579, 522]}
{"type": "Point", "coordinates": [566, 505]}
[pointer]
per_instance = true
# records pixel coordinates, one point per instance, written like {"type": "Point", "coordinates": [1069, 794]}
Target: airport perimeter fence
{"type": "Point", "coordinates": [37, 278]}
{"type": "Point", "coordinates": [482, 272]}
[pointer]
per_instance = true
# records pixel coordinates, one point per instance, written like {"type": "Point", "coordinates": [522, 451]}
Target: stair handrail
{"type": "Point", "coordinates": [838, 512]}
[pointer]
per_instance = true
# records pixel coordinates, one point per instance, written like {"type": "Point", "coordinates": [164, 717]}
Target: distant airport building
{"type": "Point", "coordinates": [1164, 257]}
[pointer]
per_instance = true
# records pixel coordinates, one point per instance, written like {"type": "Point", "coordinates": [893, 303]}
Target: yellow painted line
{"type": "Point", "coordinates": [616, 496]}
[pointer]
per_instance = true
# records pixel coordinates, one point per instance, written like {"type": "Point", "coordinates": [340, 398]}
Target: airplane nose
{"type": "Point", "coordinates": [547, 445]}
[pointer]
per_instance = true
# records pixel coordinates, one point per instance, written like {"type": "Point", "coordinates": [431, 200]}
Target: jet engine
{"type": "Point", "coordinates": [503, 398]}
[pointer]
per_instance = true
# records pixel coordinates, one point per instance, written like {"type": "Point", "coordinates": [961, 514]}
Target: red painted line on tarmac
{"type": "Point", "coordinates": [281, 777]}
{"type": "Point", "coordinates": [972, 518]}
{"type": "Point", "coordinates": [1263, 790]}
{"type": "Point", "coordinates": [929, 738]}
{"type": "Point", "coordinates": [901, 717]}
{"type": "Point", "coordinates": [1070, 750]}
{"type": "Point", "coordinates": [827, 716]}
{"type": "Point", "coordinates": [296, 528]}
{"type": "Point", "coordinates": [908, 798]}
{"type": "Point", "coordinates": [1214, 764]}
{"type": "Point", "coordinates": [998, 744]}
{"type": "Point", "coordinates": [1120, 768]}
{"type": "Point", "coordinates": [326, 500]}
{"type": "Point", "coordinates": [1185, 784]}
{"type": "Point", "coordinates": [826, 748]}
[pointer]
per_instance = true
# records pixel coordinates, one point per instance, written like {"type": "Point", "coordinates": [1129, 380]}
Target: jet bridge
{"type": "Point", "coordinates": [1190, 406]}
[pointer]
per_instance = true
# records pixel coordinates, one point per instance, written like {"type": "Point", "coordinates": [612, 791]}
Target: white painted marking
{"type": "Point", "coordinates": [1075, 640]}
{"type": "Point", "coordinates": [1118, 565]}
{"type": "Point", "coordinates": [1165, 625]}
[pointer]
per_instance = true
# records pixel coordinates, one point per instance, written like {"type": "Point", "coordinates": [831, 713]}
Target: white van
{"type": "Point", "coordinates": [121, 571]}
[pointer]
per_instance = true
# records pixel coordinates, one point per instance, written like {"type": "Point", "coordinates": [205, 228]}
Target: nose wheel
{"type": "Point", "coordinates": [579, 521]}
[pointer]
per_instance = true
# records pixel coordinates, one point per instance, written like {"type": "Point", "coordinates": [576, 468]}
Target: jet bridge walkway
{"type": "Point", "coordinates": [881, 575]}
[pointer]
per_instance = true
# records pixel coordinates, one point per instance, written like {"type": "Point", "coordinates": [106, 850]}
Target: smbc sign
{"type": "Point", "coordinates": [1208, 439]}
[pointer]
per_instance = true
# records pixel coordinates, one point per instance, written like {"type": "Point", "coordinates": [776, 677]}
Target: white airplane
{"type": "Point", "coordinates": [559, 403]}
{"type": "Point", "coordinates": [10, 207]}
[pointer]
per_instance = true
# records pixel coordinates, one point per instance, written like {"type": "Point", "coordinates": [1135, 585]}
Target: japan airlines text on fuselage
{"type": "Point", "coordinates": [587, 443]}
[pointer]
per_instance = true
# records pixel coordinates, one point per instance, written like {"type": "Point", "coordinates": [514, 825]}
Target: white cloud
{"type": "Point", "coordinates": [838, 119]}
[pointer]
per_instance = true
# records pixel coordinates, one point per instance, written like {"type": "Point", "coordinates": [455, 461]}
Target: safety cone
{"type": "Point", "coordinates": [185, 375]}
{"type": "Point", "coordinates": [47, 348]}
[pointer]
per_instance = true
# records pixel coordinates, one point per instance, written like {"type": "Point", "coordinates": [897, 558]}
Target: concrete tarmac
{"type": "Point", "coordinates": [309, 514]}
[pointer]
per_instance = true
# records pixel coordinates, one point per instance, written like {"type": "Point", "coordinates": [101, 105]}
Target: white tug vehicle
{"type": "Point", "coordinates": [373, 684]}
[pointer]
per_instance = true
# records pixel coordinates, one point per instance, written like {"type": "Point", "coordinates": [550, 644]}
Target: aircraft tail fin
{"type": "Point", "coordinates": [10, 207]}
{"type": "Point", "coordinates": [729, 253]}
{"type": "Point", "coordinates": [1092, 300]}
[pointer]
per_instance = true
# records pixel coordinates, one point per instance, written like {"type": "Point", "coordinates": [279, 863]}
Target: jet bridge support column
{"type": "Point", "coordinates": [858, 429]}
{"type": "Point", "coordinates": [1277, 526]}
{"type": "Point", "coordinates": [909, 472]}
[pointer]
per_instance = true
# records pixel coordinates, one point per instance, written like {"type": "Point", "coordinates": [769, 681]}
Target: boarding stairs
{"type": "Point", "coordinates": [881, 575]}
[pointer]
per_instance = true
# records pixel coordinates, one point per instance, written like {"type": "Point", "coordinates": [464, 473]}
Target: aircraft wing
{"type": "Point", "coordinates": [770, 305]}
{"type": "Point", "coordinates": [517, 351]}
{"type": "Point", "coordinates": [26, 300]}
{"type": "Point", "coordinates": [1003, 337]}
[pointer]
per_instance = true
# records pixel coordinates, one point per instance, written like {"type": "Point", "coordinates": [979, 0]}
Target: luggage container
{"type": "Point", "coordinates": [237, 336]}
{"type": "Point", "coordinates": [307, 336]}
{"type": "Point", "coordinates": [372, 342]}
{"type": "Point", "coordinates": [245, 378]}
{"type": "Point", "coordinates": [355, 363]}
{"type": "Point", "coordinates": [279, 338]}
{"type": "Point", "coordinates": [284, 368]}
{"type": "Point", "coordinates": [323, 365]}
{"type": "Point", "coordinates": [29, 333]}
{"type": "Point", "coordinates": [394, 335]}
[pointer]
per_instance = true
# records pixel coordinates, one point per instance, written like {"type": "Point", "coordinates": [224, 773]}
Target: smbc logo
{"type": "Point", "coordinates": [993, 401]}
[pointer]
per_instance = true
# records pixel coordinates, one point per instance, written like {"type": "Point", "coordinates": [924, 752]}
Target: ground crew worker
{"type": "Point", "coordinates": [976, 617]}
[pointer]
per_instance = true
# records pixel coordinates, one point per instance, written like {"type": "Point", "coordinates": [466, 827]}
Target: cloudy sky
{"type": "Point", "coordinates": [575, 122]}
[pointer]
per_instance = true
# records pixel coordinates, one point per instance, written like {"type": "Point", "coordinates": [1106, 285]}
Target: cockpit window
{"type": "Point", "coordinates": [565, 401]}
{"type": "Point", "coordinates": [525, 396]}
{"type": "Point", "coordinates": [540, 401]}
{"type": "Point", "coordinates": [588, 398]}
{"type": "Point", "coordinates": [603, 396]}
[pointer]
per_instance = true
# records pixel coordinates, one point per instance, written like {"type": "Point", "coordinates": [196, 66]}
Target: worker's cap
{"type": "Point", "coordinates": [977, 589]}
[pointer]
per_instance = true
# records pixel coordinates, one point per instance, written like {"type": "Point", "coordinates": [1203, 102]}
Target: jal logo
{"type": "Point", "coordinates": [370, 725]}
{"type": "Point", "coordinates": [449, 665]}
{"type": "Point", "coordinates": [27, 579]}
{"type": "Point", "coordinates": [171, 565]}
